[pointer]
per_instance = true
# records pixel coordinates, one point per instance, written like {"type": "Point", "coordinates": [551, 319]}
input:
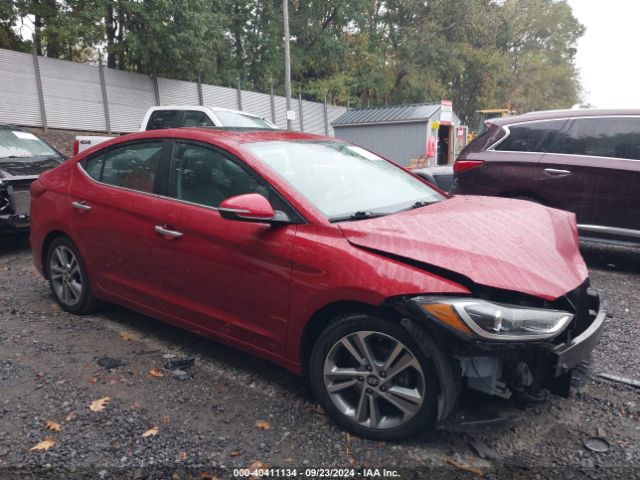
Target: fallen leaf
{"type": "Point", "coordinates": [70, 417]}
{"type": "Point", "coordinates": [318, 409]}
{"type": "Point", "coordinates": [93, 380]}
{"type": "Point", "coordinates": [165, 419]}
{"type": "Point", "coordinates": [466, 468]}
{"type": "Point", "coordinates": [46, 444]}
{"type": "Point", "coordinates": [348, 437]}
{"type": "Point", "coordinates": [152, 432]}
{"type": "Point", "coordinates": [182, 456]}
{"type": "Point", "coordinates": [61, 382]}
{"type": "Point", "coordinates": [154, 372]}
{"type": "Point", "coordinates": [135, 406]}
{"type": "Point", "coordinates": [263, 425]}
{"type": "Point", "coordinates": [51, 425]}
{"type": "Point", "coordinates": [235, 453]}
{"type": "Point", "coordinates": [127, 336]}
{"type": "Point", "coordinates": [39, 375]}
{"type": "Point", "coordinates": [208, 476]}
{"type": "Point", "coordinates": [257, 464]}
{"type": "Point", "coordinates": [99, 405]}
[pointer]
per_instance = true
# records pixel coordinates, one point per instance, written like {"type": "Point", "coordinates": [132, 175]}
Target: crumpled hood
{"type": "Point", "coordinates": [11, 168]}
{"type": "Point", "coordinates": [496, 242]}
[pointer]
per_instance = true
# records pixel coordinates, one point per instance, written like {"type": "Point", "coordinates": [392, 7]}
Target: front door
{"type": "Point", "coordinates": [228, 277]}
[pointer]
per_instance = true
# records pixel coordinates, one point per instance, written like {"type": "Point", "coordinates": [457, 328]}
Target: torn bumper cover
{"type": "Point", "coordinates": [566, 356]}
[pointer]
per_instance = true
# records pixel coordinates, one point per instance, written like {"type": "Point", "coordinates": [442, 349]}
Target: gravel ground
{"type": "Point", "coordinates": [206, 424]}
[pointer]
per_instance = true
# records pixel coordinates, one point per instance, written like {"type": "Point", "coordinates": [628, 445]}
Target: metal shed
{"type": "Point", "coordinates": [402, 132]}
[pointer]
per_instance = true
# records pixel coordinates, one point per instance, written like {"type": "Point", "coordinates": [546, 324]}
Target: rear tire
{"type": "Point", "coordinates": [374, 379]}
{"type": "Point", "coordinates": [68, 278]}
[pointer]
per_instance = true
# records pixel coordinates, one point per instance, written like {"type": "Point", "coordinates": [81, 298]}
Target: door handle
{"type": "Point", "coordinates": [162, 230]}
{"type": "Point", "coordinates": [83, 206]}
{"type": "Point", "coordinates": [554, 172]}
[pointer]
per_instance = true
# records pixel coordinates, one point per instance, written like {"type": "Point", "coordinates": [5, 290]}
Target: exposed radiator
{"type": "Point", "coordinates": [21, 201]}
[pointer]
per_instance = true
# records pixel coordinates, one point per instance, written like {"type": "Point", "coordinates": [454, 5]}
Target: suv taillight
{"type": "Point", "coordinates": [464, 165]}
{"type": "Point", "coordinates": [76, 147]}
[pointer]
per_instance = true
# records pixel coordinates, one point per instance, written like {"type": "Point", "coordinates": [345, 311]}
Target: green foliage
{"type": "Point", "coordinates": [479, 53]}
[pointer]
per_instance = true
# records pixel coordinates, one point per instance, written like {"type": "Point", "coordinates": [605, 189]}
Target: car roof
{"type": "Point", "coordinates": [228, 135]}
{"type": "Point", "coordinates": [203, 107]}
{"type": "Point", "coordinates": [567, 113]}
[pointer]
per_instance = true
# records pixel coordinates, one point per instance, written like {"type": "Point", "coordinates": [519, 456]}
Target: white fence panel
{"type": "Point", "coordinates": [177, 92]}
{"type": "Point", "coordinates": [224, 97]}
{"type": "Point", "coordinates": [257, 104]}
{"type": "Point", "coordinates": [129, 96]}
{"type": "Point", "coordinates": [72, 95]}
{"type": "Point", "coordinates": [18, 89]}
{"type": "Point", "coordinates": [313, 113]}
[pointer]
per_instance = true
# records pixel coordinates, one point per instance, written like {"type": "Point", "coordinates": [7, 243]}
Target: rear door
{"type": "Point", "coordinates": [114, 210]}
{"type": "Point", "coordinates": [227, 277]}
{"type": "Point", "coordinates": [595, 168]}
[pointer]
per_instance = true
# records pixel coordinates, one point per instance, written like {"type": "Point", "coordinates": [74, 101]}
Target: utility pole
{"type": "Point", "coordinates": [291, 114]}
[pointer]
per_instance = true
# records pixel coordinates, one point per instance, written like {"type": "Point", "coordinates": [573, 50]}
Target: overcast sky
{"type": "Point", "coordinates": [608, 51]}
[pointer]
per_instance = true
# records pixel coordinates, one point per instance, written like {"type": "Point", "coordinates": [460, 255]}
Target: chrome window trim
{"type": "Point", "coordinates": [580, 117]}
{"type": "Point", "coordinates": [79, 165]}
{"type": "Point", "coordinates": [628, 232]}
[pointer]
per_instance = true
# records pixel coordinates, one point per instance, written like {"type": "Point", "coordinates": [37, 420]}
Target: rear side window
{"type": "Point", "coordinates": [165, 119]}
{"type": "Point", "coordinates": [603, 137]}
{"type": "Point", "coordinates": [537, 137]}
{"type": "Point", "coordinates": [131, 166]}
{"type": "Point", "coordinates": [194, 118]}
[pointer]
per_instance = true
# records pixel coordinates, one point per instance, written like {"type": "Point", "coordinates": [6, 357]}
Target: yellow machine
{"type": "Point", "coordinates": [485, 115]}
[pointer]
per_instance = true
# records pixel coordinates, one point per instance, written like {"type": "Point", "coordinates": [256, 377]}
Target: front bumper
{"type": "Point", "coordinates": [564, 357]}
{"type": "Point", "coordinates": [14, 222]}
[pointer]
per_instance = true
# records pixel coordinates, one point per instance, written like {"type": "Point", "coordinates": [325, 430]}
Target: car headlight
{"type": "Point", "coordinates": [493, 320]}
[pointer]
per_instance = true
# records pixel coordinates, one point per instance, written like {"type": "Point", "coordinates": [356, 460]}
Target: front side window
{"type": "Point", "coordinates": [604, 137]}
{"type": "Point", "coordinates": [343, 180]}
{"type": "Point", "coordinates": [537, 137]}
{"type": "Point", "coordinates": [206, 176]}
{"type": "Point", "coordinates": [131, 166]}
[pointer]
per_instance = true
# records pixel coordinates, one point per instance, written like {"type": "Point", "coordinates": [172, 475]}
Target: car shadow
{"type": "Point", "coordinates": [13, 243]}
{"type": "Point", "coordinates": [612, 258]}
{"type": "Point", "coordinates": [205, 347]}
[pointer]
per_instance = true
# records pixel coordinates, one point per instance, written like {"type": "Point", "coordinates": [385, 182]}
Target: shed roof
{"type": "Point", "coordinates": [389, 114]}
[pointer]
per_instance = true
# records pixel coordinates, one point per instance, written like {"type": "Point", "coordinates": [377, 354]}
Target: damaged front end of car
{"type": "Point", "coordinates": [15, 200]}
{"type": "Point", "coordinates": [504, 343]}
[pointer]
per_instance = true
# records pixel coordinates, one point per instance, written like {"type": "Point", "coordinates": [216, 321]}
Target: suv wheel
{"type": "Point", "coordinates": [68, 277]}
{"type": "Point", "coordinates": [373, 378]}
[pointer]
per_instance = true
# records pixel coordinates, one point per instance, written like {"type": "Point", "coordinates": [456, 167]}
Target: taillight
{"type": "Point", "coordinates": [76, 147]}
{"type": "Point", "coordinates": [464, 165]}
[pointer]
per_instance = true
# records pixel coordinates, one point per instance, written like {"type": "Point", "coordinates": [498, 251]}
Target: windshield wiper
{"type": "Point", "coordinates": [359, 215]}
{"type": "Point", "coordinates": [421, 203]}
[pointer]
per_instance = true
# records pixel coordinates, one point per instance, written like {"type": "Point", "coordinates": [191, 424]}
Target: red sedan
{"type": "Point", "coordinates": [326, 259]}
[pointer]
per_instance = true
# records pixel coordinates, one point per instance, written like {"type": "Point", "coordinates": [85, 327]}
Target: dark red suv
{"type": "Point", "coordinates": [320, 256]}
{"type": "Point", "coordinates": [583, 161]}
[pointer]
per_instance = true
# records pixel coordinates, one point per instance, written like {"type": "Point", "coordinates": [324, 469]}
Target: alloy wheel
{"type": "Point", "coordinates": [374, 380]}
{"type": "Point", "coordinates": [65, 275]}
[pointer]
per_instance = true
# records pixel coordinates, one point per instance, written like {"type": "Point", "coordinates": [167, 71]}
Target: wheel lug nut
{"type": "Point", "coordinates": [383, 388]}
{"type": "Point", "coordinates": [383, 374]}
{"type": "Point", "coordinates": [360, 379]}
{"type": "Point", "coordinates": [369, 368]}
{"type": "Point", "coordinates": [369, 390]}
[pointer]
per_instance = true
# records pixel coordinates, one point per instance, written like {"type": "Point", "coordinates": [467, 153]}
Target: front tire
{"type": "Point", "coordinates": [374, 379]}
{"type": "Point", "coordinates": [68, 278]}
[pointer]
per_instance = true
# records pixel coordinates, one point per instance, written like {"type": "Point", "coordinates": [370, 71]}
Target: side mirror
{"type": "Point", "coordinates": [250, 207]}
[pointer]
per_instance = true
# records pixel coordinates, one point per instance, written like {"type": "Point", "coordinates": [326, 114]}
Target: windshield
{"type": "Point", "coordinates": [16, 145]}
{"type": "Point", "coordinates": [236, 119]}
{"type": "Point", "coordinates": [344, 181]}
